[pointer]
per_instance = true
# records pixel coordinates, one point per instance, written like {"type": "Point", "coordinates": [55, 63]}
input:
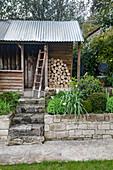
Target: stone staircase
{"type": "Point", "coordinates": [27, 126]}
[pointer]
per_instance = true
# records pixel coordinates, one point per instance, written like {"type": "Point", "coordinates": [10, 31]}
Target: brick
{"type": "Point", "coordinates": [48, 119]}
{"type": "Point", "coordinates": [57, 118]}
{"type": "Point", "coordinates": [71, 126]}
{"type": "Point", "coordinates": [109, 132]}
{"type": "Point", "coordinates": [100, 132]}
{"type": "Point", "coordinates": [71, 133]}
{"type": "Point", "coordinates": [4, 124]}
{"type": "Point", "coordinates": [61, 135]}
{"type": "Point", "coordinates": [3, 132]}
{"type": "Point", "coordinates": [107, 136]}
{"type": "Point", "coordinates": [88, 132]}
{"type": "Point", "coordinates": [104, 126]}
{"type": "Point", "coordinates": [57, 126]}
{"type": "Point", "coordinates": [111, 117]}
{"type": "Point", "coordinates": [46, 128]}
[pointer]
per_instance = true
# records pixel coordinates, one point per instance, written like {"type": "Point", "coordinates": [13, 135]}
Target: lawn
{"type": "Point", "coordinates": [88, 165]}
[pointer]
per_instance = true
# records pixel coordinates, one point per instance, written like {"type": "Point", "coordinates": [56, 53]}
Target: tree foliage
{"type": "Point", "coordinates": [102, 12]}
{"type": "Point", "coordinates": [56, 10]}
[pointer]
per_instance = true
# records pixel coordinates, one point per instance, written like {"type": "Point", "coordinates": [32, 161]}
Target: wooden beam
{"type": "Point", "coordinates": [22, 64]}
{"type": "Point", "coordinates": [46, 66]}
{"type": "Point", "coordinates": [78, 62]}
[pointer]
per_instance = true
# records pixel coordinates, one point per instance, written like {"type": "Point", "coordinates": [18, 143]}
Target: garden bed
{"type": "Point", "coordinates": [5, 121]}
{"type": "Point", "coordinates": [92, 126]}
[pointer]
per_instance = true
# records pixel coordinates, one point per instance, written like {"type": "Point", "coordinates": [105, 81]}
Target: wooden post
{"type": "Point", "coordinates": [22, 62]}
{"type": "Point", "coordinates": [46, 66]}
{"type": "Point", "coordinates": [78, 62]}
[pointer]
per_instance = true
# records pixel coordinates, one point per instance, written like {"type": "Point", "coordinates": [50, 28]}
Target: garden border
{"type": "Point", "coordinates": [91, 126]}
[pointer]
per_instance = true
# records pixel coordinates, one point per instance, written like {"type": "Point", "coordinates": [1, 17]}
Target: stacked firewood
{"type": "Point", "coordinates": [58, 74]}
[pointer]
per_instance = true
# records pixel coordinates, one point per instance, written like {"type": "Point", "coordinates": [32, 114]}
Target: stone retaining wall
{"type": "Point", "coordinates": [92, 126]}
{"type": "Point", "coordinates": [4, 126]}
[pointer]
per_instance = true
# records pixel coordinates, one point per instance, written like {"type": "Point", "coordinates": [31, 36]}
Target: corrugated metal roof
{"type": "Point", "coordinates": [40, 31]}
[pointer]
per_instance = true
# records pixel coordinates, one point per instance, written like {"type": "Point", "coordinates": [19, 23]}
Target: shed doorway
{"type": "Point", "coordinates": [30, 59]}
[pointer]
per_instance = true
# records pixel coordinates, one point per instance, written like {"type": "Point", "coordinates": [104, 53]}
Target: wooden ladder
{"type": "Point", "coordinates": [39, 72]}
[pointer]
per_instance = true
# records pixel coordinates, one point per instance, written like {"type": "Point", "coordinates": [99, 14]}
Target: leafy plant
{"type": "Point", "coordinates": [109, 105]}
{"type": "Point", "coordinates": [10, 97]}
{"type": "Point", "coordinates": [98, 101]}
{"type": "Point", "coordinates": [5, 108]}
{"type": "Point", "coordinates": [55, 106]}
{"type": "Point", "coordinates": [87, 105]}
{"type": "Point", "coordinates": [86, 86]}
{"type": "Point", "coordinates": [109, 80]}
{"type": "Point", "coordinates": [73, 103]}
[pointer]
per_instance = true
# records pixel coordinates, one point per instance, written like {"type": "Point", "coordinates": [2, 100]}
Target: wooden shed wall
{"type": "Point", "coordinates": [11, 81]}
{"type": "Point", "coordinates": [62, 51]}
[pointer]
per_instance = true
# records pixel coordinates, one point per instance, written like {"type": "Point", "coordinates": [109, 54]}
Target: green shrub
{"type": "Point", "coordinates": [86, 86]}
{"type": "Point", "coordinates": [98, 101]}
{"type": "Point", "coordinates": [5, 108]}
{"type": "Point", "coordinates": [8, 102]}
{"type": "Point", "coordinates": [87, 105]}
{"type": "Point", "coordinates": [55, 106]}
{"type": "Point", "coordinates": [109, 105]}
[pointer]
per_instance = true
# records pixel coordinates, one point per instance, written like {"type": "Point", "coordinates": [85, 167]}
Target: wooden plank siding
{"type": "Point", "coordinates": [11, 81]}
{"type": "Point", "coordinates": [62, 51]}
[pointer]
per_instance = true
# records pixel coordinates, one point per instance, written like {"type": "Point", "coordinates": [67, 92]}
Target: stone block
{"type": "Point", "coordinates": [3, 132]}
{"type": "Point", "coordinates": [95, 136]}
{"type": "Point", "coordinates": [109, 132]}
{"type": "Point", "coordinates": [50, 135]}
{"type": "Point", "coordinates": [107, 136]}
{"type": "Point", "coordinates": [57, 118]}
{"type": "Point", "coordinates": [91, 117]}
{"type": "Point", "coordinates": [57, 126]}
{"type": "Point", "coordinates": [48, 119]}
{"type": "Point", "coordinates": [88, 132]}
{"type": "Point", "coordinates": [82, 118]}
{"type": "Point", "coordinates": [4, 124]}
{"type": "Point", "coordinates": [82, 126]}
{"type": "Point", "coordinates": [71, 133]}
{"type": "Point", "coordinates": [100, 132]}
{"type": "Point", "coordinates": [111, 126]}
{"type": "Point", "coordinates": [92, 125]}
{"type": "Point", "coordinates": [46, 128]}
{"type": "Point", "coordinates": [104, 126]}
{"type": "Point", "coordinates": [3, 138]}
{"type": "Point", "coordinates": [106, 117]}
{"type": "Point", "coordinates": [78, 132]}
{"type": "Point", "coordinates": [99, 117]}
{"type": "Point", "coordinates": [71, 126]}
{"type": "Point", "coordinates": [111, 117]}
{"type": "Point", "coordinates": [62, 135]}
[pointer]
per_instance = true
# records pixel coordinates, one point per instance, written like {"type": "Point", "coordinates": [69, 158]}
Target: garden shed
{"type": "Point", "coordinates": [37, 54]}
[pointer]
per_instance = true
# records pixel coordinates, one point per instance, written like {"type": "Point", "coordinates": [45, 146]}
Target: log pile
{"type": "Point", "coordinates": [58, 74]}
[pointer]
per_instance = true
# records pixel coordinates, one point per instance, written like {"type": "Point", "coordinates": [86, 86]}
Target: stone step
{"type": "Point", "coordinates": [17, 131]}
{"type": "Point", "coordinates": [31, 101]}
{"type": "Point", "coordinates": [28, 93]}
{"type": "Point", "coordinates": [30, 109]}
{"type": "Point", "coordinates": [25, 140]}
{"type": "Point", "coordinates": [28, 119]}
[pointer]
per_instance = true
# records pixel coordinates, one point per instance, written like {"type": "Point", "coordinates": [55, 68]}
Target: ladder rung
{"type": "Point", "coordinates": [39, 67]}
{"type": "Point", "coordinates": [42, 52]}
{"type": "Point", "coordinates": [41, 59]}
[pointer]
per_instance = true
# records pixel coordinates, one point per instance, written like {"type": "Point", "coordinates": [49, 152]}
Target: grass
{"type": "Point", "coordinates": [72, 165]}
